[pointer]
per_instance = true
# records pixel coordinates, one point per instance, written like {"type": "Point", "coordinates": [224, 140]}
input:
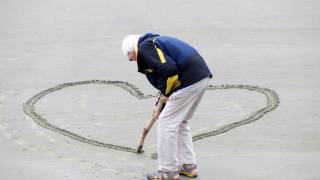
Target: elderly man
{"type": "Point", "coordinates": [181, 75]}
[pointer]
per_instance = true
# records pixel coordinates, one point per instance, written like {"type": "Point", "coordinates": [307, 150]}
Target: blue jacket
{"type": "Point", "coordinates": [164, 60]}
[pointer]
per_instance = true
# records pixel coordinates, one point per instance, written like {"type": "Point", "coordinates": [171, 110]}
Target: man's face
{"type": "Point", "coordinates": [132, 56]}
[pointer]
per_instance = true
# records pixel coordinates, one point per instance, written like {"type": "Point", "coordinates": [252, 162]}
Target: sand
{"type": "Point", "coordinates": [71, 105]}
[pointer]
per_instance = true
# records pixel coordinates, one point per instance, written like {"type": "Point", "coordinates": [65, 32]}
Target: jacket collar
{"type": "Point", "coordinates": [140, 41]}
{"type": "Point", "coordinates": [146, 36]}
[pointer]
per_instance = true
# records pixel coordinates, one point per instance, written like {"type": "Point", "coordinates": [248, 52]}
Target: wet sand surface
{"type": "Point", "coordinates": [264, 55]}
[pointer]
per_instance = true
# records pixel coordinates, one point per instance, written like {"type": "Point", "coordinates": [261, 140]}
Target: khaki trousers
{"type": "Point", "coordinates": [174, 137]}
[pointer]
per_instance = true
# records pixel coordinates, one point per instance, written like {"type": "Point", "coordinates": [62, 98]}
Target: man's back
{"type": "Point", "coordinates": [175, 48]}
{"type": "Point", "coordinates": [155, 48]}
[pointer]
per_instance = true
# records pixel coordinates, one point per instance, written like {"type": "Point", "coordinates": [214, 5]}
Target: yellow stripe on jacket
{"type": "Point", "coordinates": [161, 56]}
{"type": "Point", "coordinates": [170, 82]}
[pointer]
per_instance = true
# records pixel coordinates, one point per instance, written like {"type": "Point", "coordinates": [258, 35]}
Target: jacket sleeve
{"type": "Point", "coordinates": [160, 67]}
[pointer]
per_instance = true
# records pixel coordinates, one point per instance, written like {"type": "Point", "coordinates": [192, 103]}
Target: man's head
{"type": "Point", "coordinates": [130, 46]}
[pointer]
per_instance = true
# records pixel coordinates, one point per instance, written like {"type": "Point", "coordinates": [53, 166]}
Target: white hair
{"type": "Point", "coordinates": [130, 43]}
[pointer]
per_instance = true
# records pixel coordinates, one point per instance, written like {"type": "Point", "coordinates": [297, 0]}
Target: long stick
{"type": "Point", "coordinates": [146, 130]}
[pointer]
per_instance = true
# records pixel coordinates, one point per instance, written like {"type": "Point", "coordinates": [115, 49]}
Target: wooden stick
{"type": "Point", "coordinates": [150, 124]}
{"type": "Point", "coordinates": [145, 132]}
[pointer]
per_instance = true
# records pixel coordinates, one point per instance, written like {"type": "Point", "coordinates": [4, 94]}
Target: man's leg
{"type": "Point", "coordinates": [167, 134]}
{"type": "Point", "coordinates": [177, 109]}
{"type": "Point", "coordinates": [186, 154]}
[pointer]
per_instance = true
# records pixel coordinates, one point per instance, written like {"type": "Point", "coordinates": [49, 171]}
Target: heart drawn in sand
{"type": "Point", "coordinates": [272, 102]}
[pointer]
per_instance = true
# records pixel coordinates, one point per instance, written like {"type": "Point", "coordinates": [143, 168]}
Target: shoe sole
{"type": "Point", "coordinates": [188, 174]}
{"type": "Point", "coordinates": [165, 179]}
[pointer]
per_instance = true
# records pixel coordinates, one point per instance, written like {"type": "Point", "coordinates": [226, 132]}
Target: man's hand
{"type": "Point", "coordinates": [163, 98]}
{"type": "Point", "coordinates": [158, 108]}
{"type": "Point", "coordinates": [176, 84]}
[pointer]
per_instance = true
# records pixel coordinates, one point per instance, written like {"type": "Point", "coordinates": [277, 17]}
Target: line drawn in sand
{"type": "Point", "coordinates": [272, 102]}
